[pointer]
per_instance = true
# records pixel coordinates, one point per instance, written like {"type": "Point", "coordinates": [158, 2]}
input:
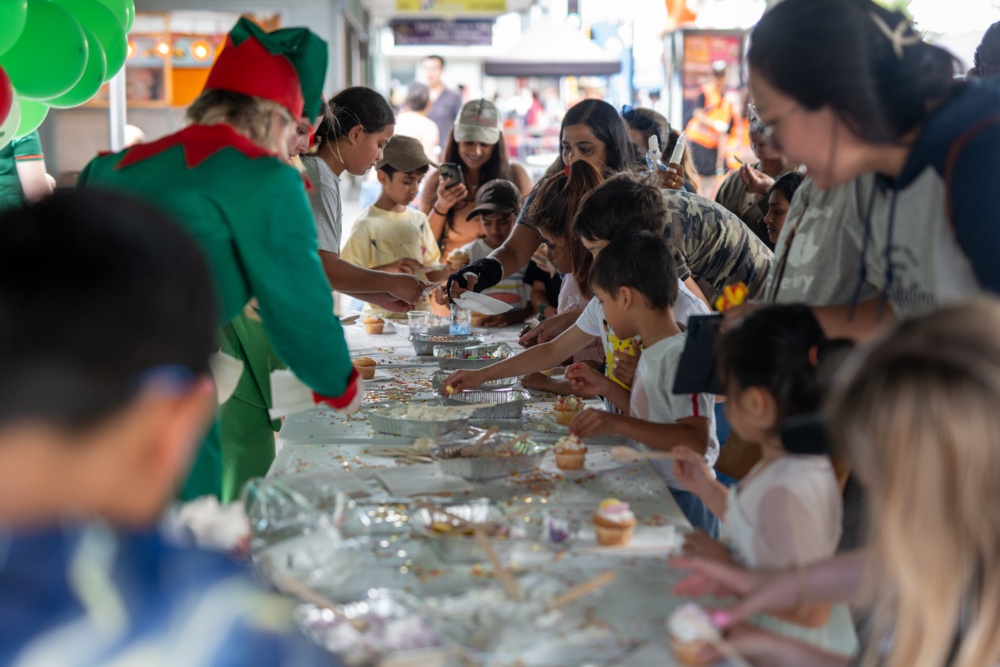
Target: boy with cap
{"type": "Point", "coordinates": [98, 422]}
{"type": "Point", "coordinates": [389, 235]}
{"type": "Point", "coordinates": [225, 180]}
{"type": "Point", "coordinates": [498, 203]}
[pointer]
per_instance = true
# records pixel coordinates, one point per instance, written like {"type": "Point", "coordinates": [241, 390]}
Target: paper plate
{"type": "Point", "coordinates": [480, 303]}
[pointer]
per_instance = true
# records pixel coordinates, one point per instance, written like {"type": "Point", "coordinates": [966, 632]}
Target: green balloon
{"type": "Point", "coordinates": [32, 115]}
{"type": "Point", "coordinates": [131, 15]}
{"type": "Point", "coordinates": [105, 25]}
{"type": "Point", "coordinates": [119, 8]}
{"type": "Point", "coordinates": [90, 82]}
{"type": "Point", "coordinates": [12, 16]}
{"type": "Point", "coordinates": [50, 55]}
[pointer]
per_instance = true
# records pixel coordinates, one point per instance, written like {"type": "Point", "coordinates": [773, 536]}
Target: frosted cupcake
{"type": "Point", "coordinates": [691, 630]}
{"type": "Point", "coordinates": [476, 319]}
{"type": "Point", "coordinates": [457, 259]}
{"type": "Point", "coordinates": [614, 523]}
{"type": "Point", "coordinates": [566, 408]}
{"type": "Point", "coordinates": [570, 453]}
{"type": "Point", "coordinates": [365, 367]}
{"type": "Point", "coordinates": [374, 325]}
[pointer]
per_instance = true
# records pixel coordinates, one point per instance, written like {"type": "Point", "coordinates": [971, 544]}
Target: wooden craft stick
{"type": "Point", "coordinates": [293, 587]}
{"type": "Point", "coordinates": [605, 578]}
{"type": "Point", "coordinates": [473, 449]}
{"type": "Point", "coordinates": [507, 581]}
{"type": "Point", "coordinates": [629, 454]}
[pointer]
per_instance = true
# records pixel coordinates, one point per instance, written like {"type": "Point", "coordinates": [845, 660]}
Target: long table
{"type": "Point", "coordinates": [625, 625]}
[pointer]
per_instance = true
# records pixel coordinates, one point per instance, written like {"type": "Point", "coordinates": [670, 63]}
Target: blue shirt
{"type": "Point", "coordinates": [87, 596]}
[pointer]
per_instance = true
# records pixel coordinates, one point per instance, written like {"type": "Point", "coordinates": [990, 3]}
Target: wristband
{"type": "Point", "coordinates": [443, 215]}
{"type": "Point", "coordinates": [802, 575]}
{"type": "Point", "coordinates": [488, 272]}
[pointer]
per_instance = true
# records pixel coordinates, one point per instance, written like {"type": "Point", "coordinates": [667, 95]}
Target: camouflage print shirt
{"type": "Point", "coordinates": [714, 246]}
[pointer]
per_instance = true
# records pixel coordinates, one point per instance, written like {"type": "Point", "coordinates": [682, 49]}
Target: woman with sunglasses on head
{"type": "Point", "coordinates": [846, 88]}
{"type": "Point", "coordinates": [744, 190]}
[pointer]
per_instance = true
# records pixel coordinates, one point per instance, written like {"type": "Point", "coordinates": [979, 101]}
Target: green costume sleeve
{"type": "Point", "coordinates": [277, 243]}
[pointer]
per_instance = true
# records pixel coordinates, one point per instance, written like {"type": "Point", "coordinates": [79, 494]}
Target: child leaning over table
{"type": "Point", "coordinates": [788, 509]}
{"type": "Point", "coordinates": [497, 207]}
{"type": "Point", "coordinates": [98, 426]}
{"type": "Point", "coordinates": [635, 280]}
{"type": "Point", "coordinates": [390, 236]}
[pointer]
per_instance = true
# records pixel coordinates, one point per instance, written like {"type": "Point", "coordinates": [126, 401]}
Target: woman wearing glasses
{"type": "Point", "coordinates": [744, 190]}
{"type": "Point", "coordinates": [846, 88]}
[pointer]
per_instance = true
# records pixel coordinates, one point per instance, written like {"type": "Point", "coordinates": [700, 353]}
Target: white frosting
{"type": "Point", "coordinates": [215, 527]}
{"type": "Point", "coordinates": [618, 513]}
{"type": "Point", "coordinates": [489, 608]}
{"type": "Point", "coordinates": [689, 623]}
{"type": "Point", "coordinates": [570, 443]}
{"type": "Point", "coordinates": [431, 413]}
{"type": "Point", "coordinates": [569, 404]}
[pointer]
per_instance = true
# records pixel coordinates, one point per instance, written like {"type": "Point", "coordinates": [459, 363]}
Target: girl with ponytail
{"type": "Point", "coordinates": [848, 89]}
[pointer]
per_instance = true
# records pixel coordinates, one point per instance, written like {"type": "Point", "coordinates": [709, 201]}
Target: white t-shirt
{"type": "Point", "coordinates": [592, 322]}
{"type": "Point", "coordinates": [653, 400]}
{"type": "Point", "coordinates": [511, 289]}
{"type": "Point", "coordinates": [324, 198]}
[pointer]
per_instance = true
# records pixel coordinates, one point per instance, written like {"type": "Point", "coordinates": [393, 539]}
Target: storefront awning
{"type": "Point", "coordinates": [552, 49]}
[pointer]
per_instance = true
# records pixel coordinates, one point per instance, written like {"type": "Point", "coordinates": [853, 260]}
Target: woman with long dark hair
{"type": "Point", "coordinates": [847, 88]}
{"type": "Point", "coordinates": [476, 144]}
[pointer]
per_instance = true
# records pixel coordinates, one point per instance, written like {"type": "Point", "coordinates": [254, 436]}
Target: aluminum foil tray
{"type": "Point", "coordinates": [395, 632]}
{"type": "Point", "coordinates": [425, 343]}
{"type": "Point", "coordinates": [411, 428]}
{"type": "Point", "coordinates": [495, 351]}
{"type": "Point", "coordinates": [508, 403]}
{"type": "Point", "coordinates": [481, 468]}
{"type": "Point", "coordinates": [437, 381]}
{"type": "Point", "coordinates": [464, 548]}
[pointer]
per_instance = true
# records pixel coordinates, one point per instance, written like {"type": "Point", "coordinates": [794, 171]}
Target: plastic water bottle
{"type": "Point", "coordinates": [461, 321]}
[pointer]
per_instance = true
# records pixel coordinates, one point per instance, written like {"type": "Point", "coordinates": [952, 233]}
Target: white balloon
{"type": "Point", "coordinates": [9, 126]}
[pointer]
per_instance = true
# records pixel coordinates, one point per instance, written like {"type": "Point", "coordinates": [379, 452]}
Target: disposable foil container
{"type": "Point", "coordinates": [465, 548]}
{"type": "Point", "coordinates": [450, 358]}
{"type": "Point", "coordinates": [506, 403]}
{"type": "Point", "coordinates": [424, 344]}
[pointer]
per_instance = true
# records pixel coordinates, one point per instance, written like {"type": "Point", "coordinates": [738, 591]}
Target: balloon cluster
{"type": "Point", "coordinates": [56, 53]}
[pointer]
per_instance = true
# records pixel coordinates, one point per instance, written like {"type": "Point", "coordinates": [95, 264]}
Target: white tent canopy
{"type": "Point", "coordinates": [552, 49]}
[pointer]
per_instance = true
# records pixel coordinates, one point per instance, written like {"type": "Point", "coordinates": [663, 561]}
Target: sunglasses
{"type": "Point", "coordinates": [636, 119]}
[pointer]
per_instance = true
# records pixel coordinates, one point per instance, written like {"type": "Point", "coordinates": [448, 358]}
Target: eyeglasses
{"type": "Point", "coordinates": [768, 131]}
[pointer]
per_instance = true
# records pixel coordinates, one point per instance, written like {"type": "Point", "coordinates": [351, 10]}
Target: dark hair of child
{"type": "Point", "coordinates": [97, 293]}
{"type": "Point", "coordinates": [352, 107]}
{"type": "Point", "coordinates": [552, 209]}
{"type": "Point", "coordinates": [623, 203]}
{"type": "Point", "coordinates": [831, 53]}
{"type": "Point", "coordinates": [390, 170]}
{"type": "Point", "coordinates": [642, 261]}
{"type": "Point", "coordinates": [783, 349]}
{"type": "Point", "coordinates": [787, 184]}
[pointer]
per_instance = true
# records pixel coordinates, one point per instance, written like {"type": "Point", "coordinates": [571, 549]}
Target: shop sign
{"type": "Point", "coordinates": [455, 33]}
{"type": "Point", "coordinates": [490, 6]}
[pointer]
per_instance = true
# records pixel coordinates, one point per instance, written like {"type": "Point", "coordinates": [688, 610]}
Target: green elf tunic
{"type": "Point", "coordinates": [248, 212]}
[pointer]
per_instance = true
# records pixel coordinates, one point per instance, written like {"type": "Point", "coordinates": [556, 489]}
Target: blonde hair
{"type": "Point", "coordinates": [920, 413]}
{"type": "Point", "coordinates": [248, 115]}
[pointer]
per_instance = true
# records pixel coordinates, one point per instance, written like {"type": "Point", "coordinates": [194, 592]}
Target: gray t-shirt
{"type": "Point", "coordinates": [443, 111]}
{"type": "Point", "coordinates": [824, 260]}
{"type": "Point", "coordinates": [324, 198]}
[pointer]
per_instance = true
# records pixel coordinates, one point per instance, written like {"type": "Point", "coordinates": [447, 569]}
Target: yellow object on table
{"type": "Point", "coordinates": [731, 297]}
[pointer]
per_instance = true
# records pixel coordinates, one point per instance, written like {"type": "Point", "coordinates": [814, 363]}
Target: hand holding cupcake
{"type": "Point", "coordinates": [566, 408]}
{"type": "Point", "coordinates": [458, 259]}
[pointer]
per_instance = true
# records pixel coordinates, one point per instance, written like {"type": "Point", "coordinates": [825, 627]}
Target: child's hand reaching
{"type": "Point", "coordinates": [691, 470]}
{"type": "Point", "coordinates": [592, 422]}
{"type": "Point", "coordinates": [625, 365]}
{"type": "Point", "coordinates": [699, 544]}
{"type": "Point", "coordinates": [585, 381]}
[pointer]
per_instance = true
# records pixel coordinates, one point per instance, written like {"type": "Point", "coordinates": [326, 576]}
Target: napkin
{"type": "Point", "coordinates": [481, 303]}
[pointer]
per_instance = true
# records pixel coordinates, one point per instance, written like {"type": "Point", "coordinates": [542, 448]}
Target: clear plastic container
{"type": "Point", "coordinates": [461, 321]}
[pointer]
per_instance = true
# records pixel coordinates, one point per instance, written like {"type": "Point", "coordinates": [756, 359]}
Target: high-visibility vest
{"type": "Point", "coordinates": [717, 108]}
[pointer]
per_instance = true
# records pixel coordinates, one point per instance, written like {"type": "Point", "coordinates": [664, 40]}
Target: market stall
{"type": "Point", "coordinates": [447, 600]}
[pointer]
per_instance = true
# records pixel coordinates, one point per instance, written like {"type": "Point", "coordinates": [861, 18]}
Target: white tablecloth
{"type": "Point", "coordinates": [625, 621]}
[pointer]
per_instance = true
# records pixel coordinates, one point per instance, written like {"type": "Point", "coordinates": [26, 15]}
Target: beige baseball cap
{"type": "Point", "coordinates": [479, 120]}
{"type": "Point", "coordinates": [404, 154]}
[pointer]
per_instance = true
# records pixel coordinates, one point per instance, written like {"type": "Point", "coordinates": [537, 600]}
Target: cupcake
{"type": "Point", "coordinates": [373, 325]}
{"type": "Point", "coordinates": [613, 523]}
{"type": "Point", "coordinates": [547, 372]}
{"type": "Point", "coordinates": [566, 408]}
{"type": "Point", "coordinates": [366, 367]}
{"type": "Point", "coordinates": [690, 630]}
{"type": "Point", "coordinates": [476, 319]}
{"type": "Point", "coordinates": [457, 259]}
{"type": "Point", "coordinates": [570, 453]}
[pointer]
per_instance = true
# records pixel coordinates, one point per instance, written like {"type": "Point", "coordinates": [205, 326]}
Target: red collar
{"type": "Point", "coordinates": [200, 142]}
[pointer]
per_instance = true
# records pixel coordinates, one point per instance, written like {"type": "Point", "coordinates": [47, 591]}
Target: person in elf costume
{"type": "Point", "coordinates": [225, 179]}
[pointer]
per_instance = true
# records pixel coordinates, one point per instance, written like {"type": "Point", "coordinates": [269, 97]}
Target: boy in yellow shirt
{"type": "Point", "coordinates": [390, 236]}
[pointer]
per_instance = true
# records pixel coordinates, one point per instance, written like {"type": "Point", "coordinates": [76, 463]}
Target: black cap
{"type": "Point", "coordinates": [496, 196]}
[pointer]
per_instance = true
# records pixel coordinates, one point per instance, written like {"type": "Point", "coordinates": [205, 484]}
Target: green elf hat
{"type": "Point", "coordinates": [287, 66]}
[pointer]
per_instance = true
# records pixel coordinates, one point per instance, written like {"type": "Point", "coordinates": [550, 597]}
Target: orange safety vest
{"type": "Point", "coordinates": [717, 108]}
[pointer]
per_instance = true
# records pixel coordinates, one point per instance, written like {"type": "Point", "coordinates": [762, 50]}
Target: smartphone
{"type": "Point", "coordinates": [452, 173]}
